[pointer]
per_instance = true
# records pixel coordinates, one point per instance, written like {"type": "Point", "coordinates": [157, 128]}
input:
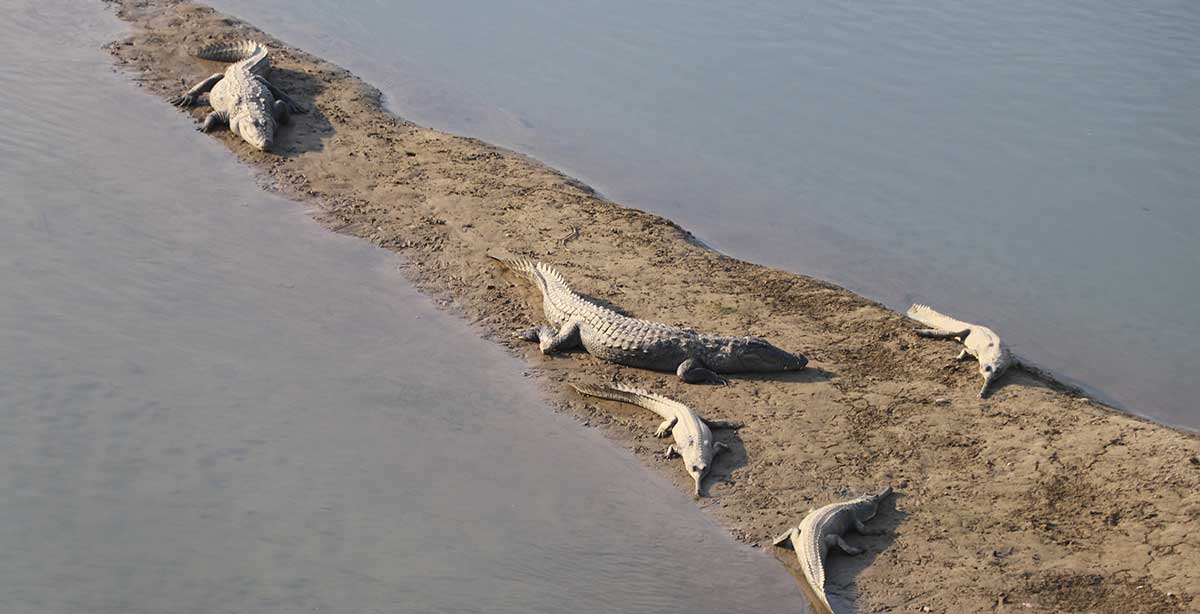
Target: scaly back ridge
{"type": "Point", "coordinates": [545, 276]}
{"type": "Point", "coordinates": [930, 317]}
{"type": "Point", "coordinates": [253, 53]}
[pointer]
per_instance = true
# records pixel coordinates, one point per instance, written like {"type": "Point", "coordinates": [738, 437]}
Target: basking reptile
{"type": "Point", "coordinates": [821, 530]}
{"type": "Point", "coordinates": [978, 341]}
{"type": "Point", "coordinates": [241, 96]}
{"type": "Point", "coordinates": [608, 335]}
{"type": "Point", "coordinates": [693, 435]}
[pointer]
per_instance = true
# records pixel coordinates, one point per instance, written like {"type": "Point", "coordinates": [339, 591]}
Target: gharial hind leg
{"type": "Point", "coordinates": [833, 541]}
{"type": "Point", "coordinates": [664, 429]}
{"type": "Point", "coordinates": [189, 98]}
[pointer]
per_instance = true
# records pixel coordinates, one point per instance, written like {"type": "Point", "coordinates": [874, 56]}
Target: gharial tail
{"type": "Point", "coordinates": [816, 597]}
{"type": "Point", "coordinates": [812, 591]}
{"type": "Point", "coordinates": [253, 53]}
{"type": "Point", "coordinates": [932, 318]}
{"type": "Point", "coordinates": [656, 403]}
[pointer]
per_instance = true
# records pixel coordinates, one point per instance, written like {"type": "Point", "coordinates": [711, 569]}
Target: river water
{"type": "Point", "coordinates": [1030, 165]}
{"type": "Point", "coordinates": [210, 404]}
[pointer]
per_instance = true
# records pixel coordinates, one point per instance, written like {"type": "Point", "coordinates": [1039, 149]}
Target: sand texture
{"type": "Point", "coordinates": [1031, 501]}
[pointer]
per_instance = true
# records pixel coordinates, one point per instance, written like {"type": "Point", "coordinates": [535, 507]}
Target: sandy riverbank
{"type": "Point", "coordinates": [1030, 497]}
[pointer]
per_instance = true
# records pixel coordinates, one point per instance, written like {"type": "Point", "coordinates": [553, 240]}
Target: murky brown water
{"type": "Point", "coordinates": [209, 404]}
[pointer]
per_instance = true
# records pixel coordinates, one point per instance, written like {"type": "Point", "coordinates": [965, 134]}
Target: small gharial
{"type": "Point", "coordinates": [821, 530]}
{"type": "Point", "coordinates": [693, 435]}
{"type": "Point", "coordinates": [241, 97]}
{"type": "Point", "coordinates": [607, 335]}
{"type": "Point", "coordinates": [978, 341]}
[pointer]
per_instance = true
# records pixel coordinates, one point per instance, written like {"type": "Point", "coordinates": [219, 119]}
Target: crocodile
{"type": "Point", "coordinates": [979, 341]}
{"type": "Point", "coordinates": [821, 530]}
{"type": "Point", "coordinates": [241, 97]}
{"type": "Point", "coordinates": [695, 357]}
{"type": "Point", "coordinates": [693, 434]}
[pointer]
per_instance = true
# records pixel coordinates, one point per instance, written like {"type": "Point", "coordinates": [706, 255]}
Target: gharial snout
{"type": "Point", "coordinates": [984, 391]}
{"type": "Point", "coordinates": [698, 473]}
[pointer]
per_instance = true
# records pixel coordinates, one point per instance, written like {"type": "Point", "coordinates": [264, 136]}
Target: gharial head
{"type": "Point", "coordinates": [749, 354]}
{"type": "Point", "coordinates": [991, 368]}
{"type": "Point", "coordinates": [698, 470]}
{"type": "Point", "coordinates": [258, 129]}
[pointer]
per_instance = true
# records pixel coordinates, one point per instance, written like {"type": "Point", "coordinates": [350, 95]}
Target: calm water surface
{"type": "Point", "coordinates": [209, 404]}
{"type": "Point", "coordinates": [1027, 164]}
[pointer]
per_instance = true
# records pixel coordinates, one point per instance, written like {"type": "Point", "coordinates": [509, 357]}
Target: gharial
{"type": "Point", "coordinates": [608, 335]}
{"type": "Point", "coordinates": [979, 341]}
{"type": "Point", "coordinates": [241, 96]}
{"type": "Point", "coordinates": [821, 530]}
{"type": "Point", "coordinates": [693, 435]}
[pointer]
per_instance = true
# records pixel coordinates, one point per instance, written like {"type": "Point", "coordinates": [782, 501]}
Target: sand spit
{"type": "Point", "coordinates": [1032, 500]}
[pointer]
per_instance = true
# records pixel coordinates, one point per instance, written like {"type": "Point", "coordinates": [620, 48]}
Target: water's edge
{"type": "Point", "coordinates": [1070, 385]}
{"type": "Point", "coordinates": [212, 403]}
{"type": "Point", "coordinates": [829, 191]}
{"type": "Point", "coordinates": [465, 295]}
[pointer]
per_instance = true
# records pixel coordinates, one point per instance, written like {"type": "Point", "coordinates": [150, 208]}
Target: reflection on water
{"type": "Point", "coordinates": [211, 405]}
{"type": "Point", "coordinates": [1026, 164]}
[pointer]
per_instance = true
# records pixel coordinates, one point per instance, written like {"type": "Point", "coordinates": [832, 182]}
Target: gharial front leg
{"type": "Point", "coordinates": [692, 371]}
{"type": "Point", "coordinates": [189, 98]}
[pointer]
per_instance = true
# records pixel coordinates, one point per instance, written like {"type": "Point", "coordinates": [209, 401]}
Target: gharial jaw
{"type": "Point", "coordinates": [698, 473]}
{"type": "Point", "coordinates": [701, 467]}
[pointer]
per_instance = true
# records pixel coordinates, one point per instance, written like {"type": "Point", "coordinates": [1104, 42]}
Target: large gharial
{"type": "Point", "coordinates": [693, 435]}
{"type": "Point", "coordinates": [978, 341]}
{"type": "Point", "coordinates": [821, 530]}
{"type": "Point", "coordinates": [241, 97]}
{"type": "Point", "coordinates": [608, 335]}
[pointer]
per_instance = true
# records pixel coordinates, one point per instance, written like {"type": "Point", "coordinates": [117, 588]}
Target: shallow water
{"type": "Point", "coordinates": [1029, 165]}
{"type": "Point", "coordinates": [210, 404]}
